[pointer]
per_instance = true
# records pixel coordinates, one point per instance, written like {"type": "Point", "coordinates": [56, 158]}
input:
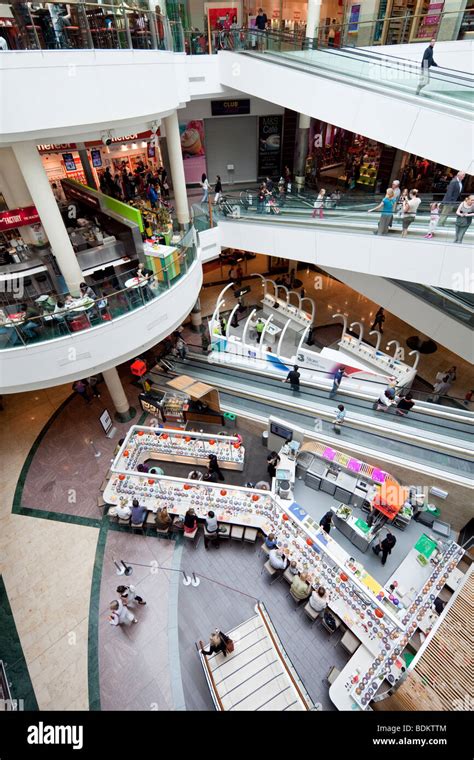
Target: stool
{"type": "Point", "coordinates": [222, 534]}
{"type": "Point", "coordinates": [327, 627]}
{"type": "Point", "coordinates": [250, 535]}
{"type": "Point", "coordinates": [124, 522]}
{"type": "Point", "coordinates": [138, 526]}
{"type": "Point", "coordinates": [230, 417]}
{"type": "Point", "coordinates": [332, 675]}
{"type": "Point", "coordinates": [288, 576]}
{"type": "Point", "coordinates": [296, 598]}
{"type": "Point", "coordinates": [213, 537]}
{"type": "Point", "coordinates": [350, 642]}
{"type": "Point", "coordinates": [192, 536]}
{"type": "Point", "coordinates": [265, 550]}
{"type": "Point", "coordinates": [272, 571]}
{"type": "Point", "coordinates": [237, 532]}
{"type": "Point", "coordinates": [311, 613]}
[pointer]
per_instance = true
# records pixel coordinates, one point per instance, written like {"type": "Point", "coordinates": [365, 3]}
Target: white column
{"type": "Point", "coordinates": [313, 14]}
{"type": "Point", "coordinates": [173, 141]}
{"type": "Point", "coordinates": [124, 411]}
{"type": "Point", "coordinates": [36, 180]}
{"type": "Point", "coordinates": [14, 189]}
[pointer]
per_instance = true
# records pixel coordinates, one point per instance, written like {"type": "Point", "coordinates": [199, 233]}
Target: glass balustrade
{"type": "Point", "coordinates": [349, 213]}
{"type": "Point", "coordinates": [26, 321]}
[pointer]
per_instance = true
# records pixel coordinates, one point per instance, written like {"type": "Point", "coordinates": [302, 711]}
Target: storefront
{"type": "Point", "coordinates": [13, 249]}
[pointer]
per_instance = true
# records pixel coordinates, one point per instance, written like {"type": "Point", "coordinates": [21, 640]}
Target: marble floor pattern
{"type": "Point", "coordinates": [134, 661]}
{"type": "Point", "coordinates": [46, 567]}
{"type": "Point", "coordinates": [64, 475]}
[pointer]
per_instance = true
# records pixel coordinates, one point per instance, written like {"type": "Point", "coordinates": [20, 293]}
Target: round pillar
{"type": "Point", "coordinates": [36, 180]}
{"type": "Point", "coordinates": [124, 412]}
{"type": "Point", "coordinates": [84, 156]}
{"type": "Point", "coordinates": [14, 189]}
{"type": "Point", "coordinates": [196, 317]}
{"type": "Point", "coordinates": [173, 141]}
{"type": "Point", "coordinates": [301, 152]}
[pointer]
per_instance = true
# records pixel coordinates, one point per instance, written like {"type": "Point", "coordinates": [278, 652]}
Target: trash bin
{"type": "Point", "coordinates": [265, 438]}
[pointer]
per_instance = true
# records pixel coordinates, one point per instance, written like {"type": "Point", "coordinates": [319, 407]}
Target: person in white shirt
{"type": "Point", "coordinates": [205, 188]}
{"type": "Point", "coordinates": [319, 599]}
{"type": "Point", "coordinates": [128, 595]}
{"type": "Point", "coordinates": [211, 523]}
{"type": "Point", "coordinates": [410, 207]}
{"type": "Point", "coordinates": [277, 559]}
{"type": "Point", "coordinates": [120, 615]}
{"type": "Point", "coordinates": [123, 512]}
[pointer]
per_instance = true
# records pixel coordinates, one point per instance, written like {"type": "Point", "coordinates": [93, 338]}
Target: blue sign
{"type": "Point", "coordinates": [297, 511]}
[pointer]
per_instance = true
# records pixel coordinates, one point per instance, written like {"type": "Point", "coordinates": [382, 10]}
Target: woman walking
{"type": "Point", "coordinates": [410, 207]}
{"type": "Point", "coordinates": [464, 214]}
{"type": "Point", "coordinates": [386, 217]}
{"type": "Point", "coordinates": [318, 205]}
{"type": "Point", "coordinates": [205, 188]}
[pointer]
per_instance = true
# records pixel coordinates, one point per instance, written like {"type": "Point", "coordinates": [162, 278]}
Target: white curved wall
{"type": "Point", "coordinates": [458, 55]}
{"type": "Point", "coordinates": [73, 92]}
{"type": "Point", "coordinates": [63, 360]}
{"type": "Point", "coordinates": [444, 265]}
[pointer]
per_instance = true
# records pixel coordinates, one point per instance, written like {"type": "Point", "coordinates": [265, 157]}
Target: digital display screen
{"type": "Point", "coordinates": [281, 431]}
{"type": "Point", "coordinates": [69, 162]}
{"type": "Point", "coordinates": [96, 158]}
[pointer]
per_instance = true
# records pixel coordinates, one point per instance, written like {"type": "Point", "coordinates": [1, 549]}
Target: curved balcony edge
{"type": "Point", "coordinates": [65, 359]}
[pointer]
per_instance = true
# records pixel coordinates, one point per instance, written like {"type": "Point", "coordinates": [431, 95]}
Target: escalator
{"type": "Point", "coordinates": [384, 98]}
{"type": "Point", "coordinates": [443, 443]}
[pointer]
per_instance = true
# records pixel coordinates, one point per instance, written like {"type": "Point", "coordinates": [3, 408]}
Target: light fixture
{"type": "Point", "coordinates": [134, 146]}
{"type": "Point", "coordinates": [143, 144]}
{"type": "Point", "coordinates": [124, 147]}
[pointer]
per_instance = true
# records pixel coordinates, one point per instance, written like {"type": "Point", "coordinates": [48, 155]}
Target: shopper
{"type": "Point", "coordinates": [293, 377]}
{"type": "Point", "coordinates": [451, 197]}
{"type": "Point", "coordinates": [270, 542]}
{"type": "Point", "coordinates": [386, 216]}
{"type": "Point", "coordinates": [128, 595]}
{"type": "Point", "coordinates": [326, 521]}
{"type": "Point", "coordinates": [213, 467]}
{"type": "Point", "coordinates": [426, 63]}
{"type": "Point", "coordinates": [300, 586]}
{"type": "Point", "coordinates": [190, 521]}
{"type": "Point", "coordinates": [336, 381]}
{"type": "Point", "coordinates": [217, 189]}
{"type": "Point", "coordinates": [87, 291]}
{"type": "Point", "coordinates": [218, 642]}
{"type": "Point", "coordinates": [163, 519]}
{"type": "Point", "coordinates": [138, 513]}
{"type": "Point", "coordinates": [80, 388]}
{"type": "Point", "coordinates": [404, 405]}
{"type": "Point", "coordinates": [340, 417]}
{"type": "Point", "coordinates": [319, 599]}
{"type": "Point", "coordinates": [93, 382]}
{"type": "Point", "coordinates": [385, 546]}
{"type": "Point", "coordinates": [400, 203]}
{"type": "Point", "coordinates": [434, 219]}
{"type": "Point", "coordinates": [120, 615]}
{"type": "Point", "coordinates": [205, 189]}
{"type": "Point", "coordinates": [332, 33]}
{"type": "Point", "coordinates": [396, 191]}
{"type": "Point", "coordinates": [385, 400]}
{"type": "Point", "coordinates": [451, 372]}
{"type": "Point", "coordinates": [123, 512]}
{"type": "Point", "coordinates": [273, 460]}
{"type": "Point", "coordinates": [181, 348]}
{"type": "Point", "coordinates": [379, 320]}
{"type": "Point", "coordinates": [464, 214]}
{"type": "Point", "coordinates": [318, 205]}
{"type": "Point", "coordinates": [277, 559]}
{"type": "Point", "coordinates": [211, 523]}
{"type": "Point", "coordinates": [440, 388]}
{"type": "Point", "coordinates": [259, 328]}
{"type": "Point", "coordinates": [261, 22]}
{"type": "Point", "coordinates": [410, 208]}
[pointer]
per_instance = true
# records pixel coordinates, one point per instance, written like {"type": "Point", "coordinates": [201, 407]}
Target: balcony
{"type": "Point", "coordinates": [70, 340]}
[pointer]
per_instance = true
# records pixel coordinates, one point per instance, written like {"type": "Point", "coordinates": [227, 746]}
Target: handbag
{"type": "Point", "coordinates": [229, 646]}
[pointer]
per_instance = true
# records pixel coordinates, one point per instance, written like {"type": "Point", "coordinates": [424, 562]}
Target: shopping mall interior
{"type": "Point", "coordinates": [236, 347]}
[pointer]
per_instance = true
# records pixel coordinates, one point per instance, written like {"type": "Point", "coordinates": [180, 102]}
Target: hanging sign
{"type": "Point", "coordinates": [18, 217]}
{"type": "Point", "coordinates": [69, 162]}
{"type": "Point", "coordinates": [269, 145]}
{"type": "Point", "coordinates": [96, 158]}
{"type": "Point", "coordinates": [230, 107]}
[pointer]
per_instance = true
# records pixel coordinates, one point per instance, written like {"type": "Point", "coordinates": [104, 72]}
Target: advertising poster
{"type": "Point", "coordinates": [96, 158]}
{"type": "Point", "coordinates": [192, 147]}
{"type": "Point", "coordinates": [69, 162]}
{"type": "Point", "coordinates": [269, 146]}
{"type": "Point", "coordinates": [354, 19]}
{"type": "Point", "coordinates": [429, 25]}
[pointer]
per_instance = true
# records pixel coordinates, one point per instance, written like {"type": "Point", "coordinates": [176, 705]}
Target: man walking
{"type": "Point", "coordinates": [261, 22]}
{"type": "Point", "coordinates": [385, 546]}
{"type": "Point", "coordinates": [426, 63]}
{"type": "Point", "coordinates": [451, 197]}
{"type": "Point", "coordinates": [293, 378]}
{"type": "Point", "coordinates": [338, 375]}
{"type": "Point", "coordinates": [340, 417]}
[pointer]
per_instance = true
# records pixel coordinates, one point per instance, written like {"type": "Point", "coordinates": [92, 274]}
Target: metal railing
{"type": "Point", "coordinates": [78, 25]}
{"type": "Point", "coordinates": [83, 25]}
{"type": "Point", "coordinates": [117, 295]}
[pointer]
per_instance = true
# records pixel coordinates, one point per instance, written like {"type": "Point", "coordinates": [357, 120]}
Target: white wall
{"type": "Point", "coordinates": [441, 264]}
{"type": "Point", "coordinates": [426, 318]}
{"type": "Point", "coordinates": [68, 93]}
{"type": "Point", "coordinates": [457, 55]}
{"type": "Point", "coordinates": [424, 129]}
{"type": "Point", "coordinates": [63, 360]}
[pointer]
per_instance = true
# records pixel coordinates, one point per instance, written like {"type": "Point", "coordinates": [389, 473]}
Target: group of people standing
{"type": "Point", "coordinates": [143, 181]}
{"type": "Point", "coordinates": [404, 204]}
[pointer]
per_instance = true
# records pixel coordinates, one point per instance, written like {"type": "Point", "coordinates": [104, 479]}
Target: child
{"type": "Point", "coordinates": [339, 421]}
{"type": "Point", "coordinates": [434, 219]}
{"type": "Point", "coordinates": [293, 568]}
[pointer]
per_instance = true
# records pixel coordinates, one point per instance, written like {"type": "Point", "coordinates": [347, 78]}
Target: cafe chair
{"type": "Point", "coordinates": [332, 675]}
{"type": "Point", "coordinates": [237, 532]}
{"type": "Point", "coordinates": [327, 627]}
{"type": "Point", "coordinates": [123, 521]}
{"type": "Point", "coordinates": [250, 535]}
{"type": "Point", "coordinates": [311, 613]}
{"type": "Point", "coordinates": [192, 537]}
{"type": "Point", "coordinates": [274, 574]}
{"type": "Point", "coordinates": [350, 642]}
{"type": "Point", "coordinates": [224, 531]}
{"type": "Point", "coordinates": [138, 526]}
{"type": "Point", "coordinates": [210, 538]}
{"type": "Point", "coordinates": [264, 550]}
{"type": "Point", "coordinates": [296, 598]}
